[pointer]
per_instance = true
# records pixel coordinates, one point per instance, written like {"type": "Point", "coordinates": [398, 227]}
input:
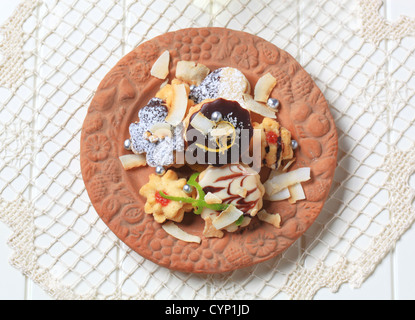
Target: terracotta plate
{"type": "Point", "coordinates": [129, 86]}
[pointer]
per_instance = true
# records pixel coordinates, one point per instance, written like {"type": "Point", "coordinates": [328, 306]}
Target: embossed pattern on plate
{"type": "Point", "coordinates": [128, 87]}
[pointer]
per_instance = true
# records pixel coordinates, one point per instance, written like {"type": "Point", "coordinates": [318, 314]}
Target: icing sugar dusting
{"type": "Point", "coordinates": [154, 112]}
{"type": "Point", "coordinates": [160, 153]}
{"type": "Point", "coordinates": [227, 83]}
{"type": "Point", "coordinates": [208, 88]}
{"type": "Point", "coordinates": [233, 85]}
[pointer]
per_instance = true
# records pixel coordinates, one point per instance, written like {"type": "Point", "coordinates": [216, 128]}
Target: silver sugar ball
{"type": "Point", "coordinates": [192, 87]}
{"type": "Point", "coordinates": [187, 188]}
{"type": "Point", "coordinates": [294, 144]}
{"type": "Point", "coordinates": [216, 116]}
{"type": "Point", "coordinates": [160, 170]}
{"type": "Point", "coordinates": [273, 103]}
{"type": "Point", "coordinates": [127, 144]}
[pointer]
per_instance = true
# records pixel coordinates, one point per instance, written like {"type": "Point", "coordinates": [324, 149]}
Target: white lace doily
{"type": "Point", "coordinates": [54, 54]}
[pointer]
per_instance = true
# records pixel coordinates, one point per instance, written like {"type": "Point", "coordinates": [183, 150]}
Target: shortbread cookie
{"type": "Point", "coordinates": [163, 209]}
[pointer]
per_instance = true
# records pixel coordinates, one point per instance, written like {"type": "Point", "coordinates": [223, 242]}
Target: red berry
{"type": "Point", "coordinates": [163, 201]}
{"type": "Point", "coordinates": [272, 137]}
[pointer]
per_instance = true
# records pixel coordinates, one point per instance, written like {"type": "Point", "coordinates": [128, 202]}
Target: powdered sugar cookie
{"type": "Point", "coordinates": [159, 148]}
{"type": "Point", "coordinates": [227, 83]}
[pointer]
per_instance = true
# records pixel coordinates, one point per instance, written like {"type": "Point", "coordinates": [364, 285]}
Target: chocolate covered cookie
{"type": "Point", "coordinates": [218, 132]}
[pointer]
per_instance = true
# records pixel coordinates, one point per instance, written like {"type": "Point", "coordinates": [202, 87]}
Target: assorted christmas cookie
{"type": "Point", "coordinates": [208, 116]}
{"type": "Point", "coordinates": [207, 150]}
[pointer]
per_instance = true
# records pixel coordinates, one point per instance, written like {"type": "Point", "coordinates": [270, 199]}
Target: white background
{"type": "Point", "coordinates": [393, 279]}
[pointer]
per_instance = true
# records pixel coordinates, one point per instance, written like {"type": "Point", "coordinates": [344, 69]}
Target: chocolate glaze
{"type": "Point", "coordinates": [213, 189]}
{"type": "Point", "coordinates": [279, 148]}
{"type": "Point", "coordinates": [232, 112]}
{"type": "Point", "coordinates": [242, 204]}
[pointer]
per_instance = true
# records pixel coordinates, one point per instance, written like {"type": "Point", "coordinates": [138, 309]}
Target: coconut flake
{"type": "Point", "coordinates": [179, 105]}
{"type": "Point", "coordinates": [191, 72]}
{"type": "Point", "coordinates": [263, 87]}
{"type": "Point", "coordinates": [172, 229]}
{"type": "Point", "coordinates": [211, 198]}
{"type": "Point", "coordinates": [260, 108]}
{"type": "Point", "coordinates": [210, 231]}
{"type": "Point", "coordinates": [131, 161]}
{"type": "Point", "coordinates": [223, 130]}
{"type": "Point", "coordinates": [297, 193]}
{"type": "Point", "coordinates": [284, 180]}
{"type": "Point", "coordinates": [227, 217]}
{"type": "Point", "coordinates": [281, 195]}
{"type": "Point", "coordinates": [161, 130]}
{"type": "Point", "coordinates": [202, 123]}
{"type": "Point", "coordinates": [160, 68]}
